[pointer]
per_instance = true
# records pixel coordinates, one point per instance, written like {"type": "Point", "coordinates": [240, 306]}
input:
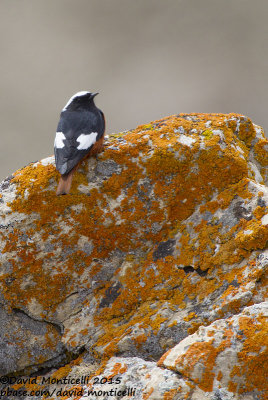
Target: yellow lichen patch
{"type": "Point", "coordinates": [208, 134]}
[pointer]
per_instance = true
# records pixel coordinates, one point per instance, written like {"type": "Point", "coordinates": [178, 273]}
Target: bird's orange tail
{"type": "Point", "coordinates": [65, 183]}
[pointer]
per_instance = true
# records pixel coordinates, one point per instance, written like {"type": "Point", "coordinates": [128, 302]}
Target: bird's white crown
{"type": "Point", "coordinates": [78, 94]}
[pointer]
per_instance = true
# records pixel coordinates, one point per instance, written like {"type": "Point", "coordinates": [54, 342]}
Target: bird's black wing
{"type": "Point", "coordinates": [76, 134]}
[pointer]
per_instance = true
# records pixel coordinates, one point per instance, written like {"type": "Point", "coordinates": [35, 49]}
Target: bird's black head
{"type": "Point", "coordinates": [80, 101]}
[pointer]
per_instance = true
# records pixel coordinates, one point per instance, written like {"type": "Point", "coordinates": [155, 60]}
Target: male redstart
{"type": "Point", "coordinates": [80, 134]}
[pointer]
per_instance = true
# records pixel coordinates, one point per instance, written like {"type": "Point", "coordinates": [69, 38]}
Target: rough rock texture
{"type": "Point", "coordinates": [230, 353]}
{"type": "Point", "coordinates": [140, 379]}
{"type": "Point", "coordinates": [165, 233]}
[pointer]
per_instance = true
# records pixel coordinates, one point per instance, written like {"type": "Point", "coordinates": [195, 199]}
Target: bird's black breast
{"type": "Point", "coordinates": [77, 132]}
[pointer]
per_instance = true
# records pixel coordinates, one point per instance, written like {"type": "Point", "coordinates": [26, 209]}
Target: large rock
{"type": "Point", "coordinates": [164, 233]}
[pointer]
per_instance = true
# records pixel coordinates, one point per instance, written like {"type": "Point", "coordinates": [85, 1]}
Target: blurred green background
{"type": "Point", "coordinates": [147, 58]}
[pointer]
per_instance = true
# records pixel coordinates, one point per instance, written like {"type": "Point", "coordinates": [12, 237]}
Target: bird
{"type": "Point", "coordinates": [80, 134]}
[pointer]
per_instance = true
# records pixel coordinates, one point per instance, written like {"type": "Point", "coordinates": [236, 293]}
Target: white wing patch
{"type": "Point", "coordinates": [85, 141]}
{"type": "Point", "coordinates": [58, 143]}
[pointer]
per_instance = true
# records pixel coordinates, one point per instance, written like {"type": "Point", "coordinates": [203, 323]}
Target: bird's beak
{"type": "Point", "coordinates": [93, 95]}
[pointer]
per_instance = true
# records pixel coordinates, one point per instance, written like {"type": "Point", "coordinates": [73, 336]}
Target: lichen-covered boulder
{"type": "Point", "coordinates": [165, 232]}
{"type": "Point", "coordinates": [230, 353]}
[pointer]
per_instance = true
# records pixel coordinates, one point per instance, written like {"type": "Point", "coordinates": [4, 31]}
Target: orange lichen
{"type": "Point", "coordinates": [140, 339]}
{"type": "Point", "coordinates": [232, 386]}
{"type": "Point", "coordinates": [190, 316]}
{"type": "Point", "coordinates": [62, 372]}
{"type": "Point", "coordinates": [200, 360]}
{"type": "Point", "coordinates": [253, 357]}
{"type": "Point", "coordinates": [146, 395]}
{"type": "Point", "coordinates": [219, 376]}
{"type": "Point", "coordinates": [261, 150]}
{"type": "Point", "coordinates": [160, 362]}
{"type": "Point", "coordinates": [84, 331]}
{"type": "Point", "coordinates": [198, 352]}
{"type": "Point", "coordinates": [118, 369]}
{"type": "Point", "coordinates": [259, 212]}
{"type": "Point", "coordinates": [194, 327]}
{"type": "Point", "coordinates": [171, 394]}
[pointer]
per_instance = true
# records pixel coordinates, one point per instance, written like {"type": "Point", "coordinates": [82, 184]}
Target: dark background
{"type": "Point", "coordinates": [147, 58]}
